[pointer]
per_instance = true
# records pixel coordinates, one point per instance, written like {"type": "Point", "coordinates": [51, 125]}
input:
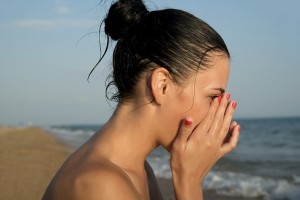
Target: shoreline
{"type": "Point", "coordinates": [29, 158]}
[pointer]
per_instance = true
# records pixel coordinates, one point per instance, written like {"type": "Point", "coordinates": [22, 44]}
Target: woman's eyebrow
{"type": "Point", "coordinates": [220, 89]}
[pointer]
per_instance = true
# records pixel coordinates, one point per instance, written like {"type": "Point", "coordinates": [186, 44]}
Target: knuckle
{"type": "Point", "coordinates": [232, 146]}
{"type": "Point", "coordinates": [219, 116]}
{"type": "Point", "coordinates": [208, 144]}
{"type": "Point", "coordinates": [185, 132]}
{"type": "Point", "coordinates": [223, 103]}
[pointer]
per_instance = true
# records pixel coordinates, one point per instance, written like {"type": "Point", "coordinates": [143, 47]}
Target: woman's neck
{"type": "Point", "coordinates": [129, 136]}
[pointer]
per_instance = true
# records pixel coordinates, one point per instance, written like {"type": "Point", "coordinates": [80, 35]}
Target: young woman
{"type": "Point", "coordinates": [170, 70]}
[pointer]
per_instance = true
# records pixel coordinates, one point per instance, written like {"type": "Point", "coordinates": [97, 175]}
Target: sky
{"type": "Point", "coordinates": [47, 49]}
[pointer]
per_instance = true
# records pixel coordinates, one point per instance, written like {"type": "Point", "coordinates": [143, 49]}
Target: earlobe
{"type": "Point", "coordinates": [160, 83]}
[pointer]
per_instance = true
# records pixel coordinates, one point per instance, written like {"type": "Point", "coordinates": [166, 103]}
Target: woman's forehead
{"type": "Point", "coordinates": [216, 75]}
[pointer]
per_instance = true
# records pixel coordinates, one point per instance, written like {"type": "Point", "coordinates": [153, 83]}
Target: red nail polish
{"type": "Point", "coordinates": [187, 122]}
{"type": "Point", "coordinates": [239, 128]}
{"type": "Point", "coordinates": [219, 98]}
{"type": "Point", "coordinates": [234, 104]}
{"type": "Point", "coordinates": [227, 96]}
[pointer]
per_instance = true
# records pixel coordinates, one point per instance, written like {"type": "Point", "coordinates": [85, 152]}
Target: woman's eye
{"type": "Point", "coordinates": [213, 97]}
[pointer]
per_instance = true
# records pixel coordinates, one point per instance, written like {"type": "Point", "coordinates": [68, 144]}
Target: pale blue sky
{"type": "Point", "coordinates": [43, 70]}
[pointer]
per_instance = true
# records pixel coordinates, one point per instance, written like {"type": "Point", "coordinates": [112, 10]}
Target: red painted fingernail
{"type": "Point", "coordinates": [239, 128]}
{"type": "Point", "coordinates": [227, 96]}
{"type": "Point", "coordinates": [188, 122]}
{"type": "Point", "coordinates": [234, 104]}
{"type": "Point", "coordinates": [219, 98]}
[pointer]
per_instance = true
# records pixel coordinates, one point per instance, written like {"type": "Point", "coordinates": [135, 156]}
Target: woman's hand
{"type": "Point", "coordinates": [197, 147]}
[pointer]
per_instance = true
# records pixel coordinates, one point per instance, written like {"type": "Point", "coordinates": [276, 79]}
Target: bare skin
{"type": "Point", "coordinates": [111, 165]}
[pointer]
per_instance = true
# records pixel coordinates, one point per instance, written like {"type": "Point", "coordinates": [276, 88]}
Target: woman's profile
{"type": "Point", "coordinates": [170, 70]}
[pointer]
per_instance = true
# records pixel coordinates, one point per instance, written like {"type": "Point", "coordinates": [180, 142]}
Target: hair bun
{"type": "Point", "coordinates": [122, 16]}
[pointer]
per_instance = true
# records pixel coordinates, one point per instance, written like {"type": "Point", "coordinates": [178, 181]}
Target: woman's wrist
{"type": "Point", "coordinates": [185, 188]}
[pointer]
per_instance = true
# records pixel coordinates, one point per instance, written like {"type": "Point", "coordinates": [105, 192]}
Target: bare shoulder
{"type": "Point", "coordinates": [94, 182]}
{"type": "Point", "coordinates": [106, 181]}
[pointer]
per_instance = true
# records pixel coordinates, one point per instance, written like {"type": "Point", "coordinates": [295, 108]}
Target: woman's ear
{"type": "Point", "coordinates": [160, 83]}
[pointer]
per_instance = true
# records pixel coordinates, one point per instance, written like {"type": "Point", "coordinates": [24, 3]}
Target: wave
{"type": "Point", "coordinates": [244, 185]}
{"type": "Point", "coordinates": [74, 137]}
{"type": "Point", "coordinates": [237, 184]}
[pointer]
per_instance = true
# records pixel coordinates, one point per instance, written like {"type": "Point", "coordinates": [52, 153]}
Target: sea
{"type": "Point", "coordinates": [265, 164]}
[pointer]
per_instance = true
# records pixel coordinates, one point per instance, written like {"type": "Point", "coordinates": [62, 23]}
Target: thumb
{"type": "Point", "coordinates": [186, 129]}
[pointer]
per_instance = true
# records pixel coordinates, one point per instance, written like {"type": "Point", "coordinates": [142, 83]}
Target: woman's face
{"type": "Point", "coordinates": [194, 99]}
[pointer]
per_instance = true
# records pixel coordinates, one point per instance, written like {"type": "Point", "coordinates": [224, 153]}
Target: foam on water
{"type": "Point", "coordinates": [234, 184]}
{"type": "Point", "coordinates": [237, 184]}
{"type": "Point", "coordinates": [72, 137]}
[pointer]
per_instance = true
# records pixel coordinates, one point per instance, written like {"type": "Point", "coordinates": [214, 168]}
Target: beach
{"type": "Point", "coordinates": [29, 158]}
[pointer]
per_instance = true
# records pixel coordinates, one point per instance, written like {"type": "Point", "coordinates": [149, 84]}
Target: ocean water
{"type": "Point", "coordinates": [265, 164]}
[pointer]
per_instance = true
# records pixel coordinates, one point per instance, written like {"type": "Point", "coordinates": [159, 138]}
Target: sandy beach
{"type": "Point", "coordinates": [29, 158]}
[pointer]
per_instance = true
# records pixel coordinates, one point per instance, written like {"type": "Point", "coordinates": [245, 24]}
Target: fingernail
{"type": "Point", "coordinates": [239, 128]}
{"type": "Point", "coordinates": [234, 104]}
{"type": "Point", "coordinates": [227, 96]}
{"type": "Point", "coordinates": [219, 98]}
{"type": "Point", "coordinates": [188, 122]}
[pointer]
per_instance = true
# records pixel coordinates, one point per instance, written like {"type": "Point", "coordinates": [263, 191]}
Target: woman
{"type": "Point", "coordinates": [170, 70]}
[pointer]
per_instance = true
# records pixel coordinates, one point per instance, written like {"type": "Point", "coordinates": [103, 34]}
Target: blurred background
{"type": "Point", "coordinates": [47, 49]}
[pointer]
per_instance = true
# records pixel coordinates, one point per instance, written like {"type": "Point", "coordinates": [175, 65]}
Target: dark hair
{"type": "Point", "coordinates": [170, 38]}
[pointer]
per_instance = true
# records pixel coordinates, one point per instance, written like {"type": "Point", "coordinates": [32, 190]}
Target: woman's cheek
{"type": "Point", "coordinates": [205, 110]}
{"type": "Point", "coordinates": [199, 111]}
{"type": "Point", "coordinates": [201, 116]}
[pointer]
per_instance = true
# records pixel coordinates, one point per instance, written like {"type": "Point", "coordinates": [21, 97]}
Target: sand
{"type": "Point", "coordinates": [29, 158]}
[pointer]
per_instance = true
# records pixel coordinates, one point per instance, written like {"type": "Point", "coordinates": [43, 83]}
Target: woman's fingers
{"type": "Point", "coordinates": [210, 116]}
{"type": "Point", "coordinates": [231, 144]}
{"type": "Point", "coordinates": [217, 124]}
{"type": "Point", "coordinates": [185, 130]}
{"type": "Point", "coordinates": [232, 125]}
{"type": "Point", "coordinates": [229, 134]}
{"type": "Point", "coordinates": [219, 116]}
{"type": "Point", "coordinates": [225, 127]}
